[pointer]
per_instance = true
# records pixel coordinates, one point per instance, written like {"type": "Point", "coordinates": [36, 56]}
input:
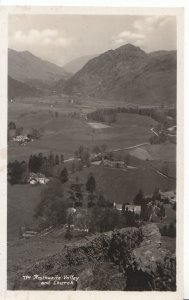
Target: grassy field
{"type": "Point", "coordinates": [163, 152]}
{"type": "Point", "coordinates": [122, 186]}
{"type": "Point", "coordinates": [65, 134]}
{"type": "Point", "coordinates": [22, 200]}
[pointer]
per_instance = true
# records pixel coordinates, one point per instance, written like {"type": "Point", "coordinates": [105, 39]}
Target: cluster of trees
{"type": "Point", "coordinates": [44, 164]}
{"type": "Point", "coordinates": [99, 149]}
{"type": "Point", "coordinates": [17, 172]}
{"type": "Point", "coordinates": [32, 133]}
{"type": "Point", "coordinates": [107, 115]}
{"type": "Point", "coordinates": [143, 201]}
{"type": "Point", "coordinates": [108, 218]}
{"type": "Point", "coordinates": [52, 209]}
{"type": "Point", "coordinates": [158, 114]}
{"type": "Point", "coordinates": [84, 155]}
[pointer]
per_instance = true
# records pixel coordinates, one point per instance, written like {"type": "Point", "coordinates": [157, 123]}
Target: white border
{"type": "Point", "coordinates": [3, 119]}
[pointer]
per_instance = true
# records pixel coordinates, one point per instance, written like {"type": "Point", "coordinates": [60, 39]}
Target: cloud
{"type": "Point", "coordinates": [46, 43]}
{"type": "Point", "coordinates": [33, 36]}
{"type": "Point", "coordinates": [127, 36]}
{"type": "Point", "coordinates": [63, 41]}
{"type": "Point", "coordinates": [146, 32]}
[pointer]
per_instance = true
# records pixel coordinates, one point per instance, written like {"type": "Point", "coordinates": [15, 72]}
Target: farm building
{"type": "Point", "coordinates": [127, 207]}
{"type": "Point", "coordinates": [133, 208]}
{"type": "Point", "coordinates": [22, 139]}
{"type": "Point", "coordinates": [37, 178]}
{"type": "Point", "coordinates": [113, 164]}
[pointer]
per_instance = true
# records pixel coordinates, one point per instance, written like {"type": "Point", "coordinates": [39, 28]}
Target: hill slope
{"type": "Point", "coordinates": [76, 64]}
{"type": "Point", "coordinates": [130, 74]}
{"type": "Point", "coordinates": [20, 89]}
{"type": "Point", "coordinates": [25, 67]}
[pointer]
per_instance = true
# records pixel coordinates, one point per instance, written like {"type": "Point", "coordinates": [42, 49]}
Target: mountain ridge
{"type": "Point", "coordinates": [128, 73]}
{"type": "Point", "coordinates": [28, 68]}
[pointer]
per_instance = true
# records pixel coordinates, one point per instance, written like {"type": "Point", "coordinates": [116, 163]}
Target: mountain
{"type": "Point", "coordinates": [76, 64]}
{"type": "Point", "coordinates": [27, 68]}
{"type": "Point", "coordinates": [128, 73]}
{"type": "Point", "coordinates": [20, 89]}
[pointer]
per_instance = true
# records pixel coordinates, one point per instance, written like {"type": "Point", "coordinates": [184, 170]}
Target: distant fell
{"type": "Point", "coordinates": [76, 64]}
{"type": "Point", "coordinates": [28, 68]}
{"type": "Point", "coordinates": [20, 89]}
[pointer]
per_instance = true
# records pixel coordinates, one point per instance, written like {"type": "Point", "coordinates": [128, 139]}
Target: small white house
{"type": "Point", "coordinates": [36, 178]}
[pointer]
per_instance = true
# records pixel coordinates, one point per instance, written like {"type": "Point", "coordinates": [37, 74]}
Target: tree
{"type": "Point", "coordinates": [19, 130]}
{"type": "Point", "coordinates": [35, 134]}
{"type": "Point", "coordinates": [96, 150]}
{"type": "Point", "coordinates": [156, 194]}
{"type": "Point", "coordinates": [103, 202]}
{"type": "Point", "coordinates": [62, 158]}
{"type": "Point", "coordinates": [52, 209]}
{"type": "Point", "coordinates": [46, 168]}
{"type": "Point", "coordinates": [91, 184]}
{"type": "Point", "coordinates": [11, 125]}
{"type": "Point", "coordinates": [51, 159]}
{"type": "Point", "coordinates": [161, 212]}
{"type": "Point", "coordinates": [64, 175]}
{"type": "Point", "coordinates": [35, 163]}
{"type": "Point", "coordinates": [139, 198]}
{"type": "Point", "coordinates": [17, 172]}
{"type": "Point", "coordinates": [76, 194]}
{"type": "Point", "coordinates": [85, 156]}
{"type": "Point", "coordinates": [57, 160]}
{"type": "Point", "coordinates": [80, 151]}
{"type": "Point", "coordinates": [103, 219]}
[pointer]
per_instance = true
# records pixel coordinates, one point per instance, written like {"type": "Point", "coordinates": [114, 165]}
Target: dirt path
{"type": "Point", "coordinates": [129, 148]}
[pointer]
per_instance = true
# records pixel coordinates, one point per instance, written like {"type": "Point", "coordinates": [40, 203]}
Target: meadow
{"type": "Point", "coordinates": [65, 134]}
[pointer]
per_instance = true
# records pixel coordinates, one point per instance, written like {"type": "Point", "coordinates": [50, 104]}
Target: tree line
{"type": "Point", "coordinates": [18, 172]}
{"type": "Point", "coordinates": [158, 114]}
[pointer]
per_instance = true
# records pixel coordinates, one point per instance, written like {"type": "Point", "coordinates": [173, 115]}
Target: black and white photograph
{"type": "Point", "coordinates": [92, 104]}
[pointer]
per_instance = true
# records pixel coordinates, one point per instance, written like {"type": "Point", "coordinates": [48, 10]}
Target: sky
{"type": "Point", "coordinates": [62, 38]}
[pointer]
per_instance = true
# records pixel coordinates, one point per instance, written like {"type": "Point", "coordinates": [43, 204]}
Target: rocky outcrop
{"type": "Point", "coordinates": [136, 252]}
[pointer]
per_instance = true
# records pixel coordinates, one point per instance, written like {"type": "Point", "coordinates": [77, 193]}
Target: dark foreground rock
{"type": "Point", "coordinates": [125, 259]}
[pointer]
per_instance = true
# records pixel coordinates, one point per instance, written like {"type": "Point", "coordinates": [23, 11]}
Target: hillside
{"type": "Point", "coordinates": [76, 64]}
{"type": "Point", "coordinates": [27, 68]}
{"type": "Point", "coordinates": [20, 89]}
{"type": "Point", "coordinates": [130, 74]}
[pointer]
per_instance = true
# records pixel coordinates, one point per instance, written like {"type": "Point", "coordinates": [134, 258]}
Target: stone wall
{"type": "Point", "coordinates": [136, 252]}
